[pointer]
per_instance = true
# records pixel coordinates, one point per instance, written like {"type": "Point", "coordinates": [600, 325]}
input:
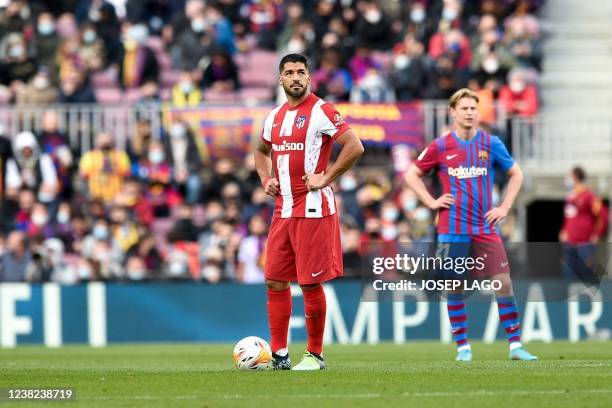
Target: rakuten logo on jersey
{"type": "Point", "coordinates": [467, 172]}
{"type": "Point", "coordinates": [287, 146]}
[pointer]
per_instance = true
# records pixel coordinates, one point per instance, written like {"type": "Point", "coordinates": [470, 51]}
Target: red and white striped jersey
{"type": "Point", "coordinates": [302, 139]}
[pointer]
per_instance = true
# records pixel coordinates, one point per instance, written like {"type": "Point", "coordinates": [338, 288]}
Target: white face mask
{"type": "Point", "coordinates": [178, 130]}
{"type": "Point", "coordinates": [156, 156]}
{"type": "Point", "coordinates": [295, 47]}
{"type": "Point", "coordinates": [186, 87]}
{"type": "Point", "coordinates": [422, 215]}
{"type": "Point", "coordinates": [16, 51]}
{"type": "Point", "coordinates": [198, 25]}
{"type": "Point", "coordinates": [390, 214]}
{"type": "Point", "coordinates": [569, 183]}
{"type": "Point", "coordinates": [490, 65]}
{"type": "Point", "coordinates": [410, 204]}
{"type": "Point", "coordinates": [63, 217]}
{"type": "Point", "coordinates": [40, 82]}
{"type": "Point", "coordinates": [401, 61]}
{"type": "Point", "coordinates": [389, 233]}
{"type": "Point", "coordinates": [40, 219]}
{"type": "Point", "coordinates": [89, 36]}
{"type": "Point", "coordinates": [373, 16]}
{"type": "Point", "coordinates": [348, 183]}
{"type": "Point", "coordinates": [136, 274]}
{"type": "Point", "coordinates": [417, 15]}
{"type": "Point", "coordinates": [517, 86]}
{"type": "Point", "coordinates": [449, 14]}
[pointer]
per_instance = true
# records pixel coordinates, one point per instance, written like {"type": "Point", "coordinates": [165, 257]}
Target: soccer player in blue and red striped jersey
{"type": "Point", "coordinates": [465, 161]}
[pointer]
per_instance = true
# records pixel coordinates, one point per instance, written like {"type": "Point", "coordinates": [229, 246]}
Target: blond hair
{"type": "Point", "coordinates": [460, 94]}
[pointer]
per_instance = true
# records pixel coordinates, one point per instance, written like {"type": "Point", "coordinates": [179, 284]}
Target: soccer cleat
{"type": "Point", "coordinates": [520, 353]}
{"type": "Point", "coordinates": [464, 355]}
{"type": "Point", "coordinates": [310, 362]}
{"type": "Point", "coordinates": [280, 362]}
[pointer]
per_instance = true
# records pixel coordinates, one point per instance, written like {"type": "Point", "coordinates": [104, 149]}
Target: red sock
{"type": "Point", "coordinates": [279, 313]}
{"type": "Point", "coordinates": [315, 308]}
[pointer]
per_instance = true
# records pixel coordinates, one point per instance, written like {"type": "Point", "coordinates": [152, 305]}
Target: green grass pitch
{"type": "Point", "coordinates": [413, 375]}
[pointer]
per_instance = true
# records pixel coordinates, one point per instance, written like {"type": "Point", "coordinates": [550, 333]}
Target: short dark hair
{"type": "Point", "coordinates": [292, 58]}
{"type": "Point", "coordinates": [579, 173]}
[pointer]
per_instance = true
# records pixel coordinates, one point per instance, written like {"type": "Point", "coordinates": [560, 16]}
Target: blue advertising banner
{"type": "Point", "coordinates": [101, 314]}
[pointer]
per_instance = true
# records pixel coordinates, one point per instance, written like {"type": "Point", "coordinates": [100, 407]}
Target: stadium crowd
{"type": "Point", "coordinates": [155, 210]}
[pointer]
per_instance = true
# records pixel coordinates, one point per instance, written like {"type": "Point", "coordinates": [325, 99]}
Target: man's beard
{"type": "Point", "coordinates": [297, 93]}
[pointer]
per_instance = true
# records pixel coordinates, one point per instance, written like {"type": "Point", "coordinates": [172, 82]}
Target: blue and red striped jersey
{"type": "Point", "coordinates": [466, 170]}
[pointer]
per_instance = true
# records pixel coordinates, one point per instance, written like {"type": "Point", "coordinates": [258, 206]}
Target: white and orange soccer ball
{"type": "Point", "coordinates": [252, 353]}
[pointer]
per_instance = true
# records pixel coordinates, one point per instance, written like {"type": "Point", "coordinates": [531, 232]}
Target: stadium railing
{"type": "Point", "coordinates": [81, 122]}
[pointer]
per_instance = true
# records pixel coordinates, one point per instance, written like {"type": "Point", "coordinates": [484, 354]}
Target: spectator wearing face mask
{"type": "Point", "coordinates": [265, 21]}
{"type": "Point", "coordinates": [155, 173]}
{"type": "Point", "coordinates": [104, 169]}
{"type": "Point", "coordinates": [92, 51]}
{"type": "Point", "coordinates": [373, 28]}
{"type": "Point", "coordinates": [185, 92]}
{"type": "Point", "coordinates": [137, 62]}
{"type": "Point", "coordinates": [518, 97]}
{"type": "Point", "coordinates": [46, 41]}
{"type": "Point", "coordinates": [185, 160]}
{"type": "Point", "coordinates": [38, 91]}
{"type": "Point", "coordinates": [196, 43]}
{"type": "Point", "coordinates": [16, 68]}
{"type": "Point", "coordinates": [409, 69]}
{"type": "Point", "coordinates": [491, 59]}
{"type": "Point", "coordinates": [295, 15]}
{"type": "Point", "coordinates": [101, 258]}
{"type": "Point", "coordinates": [32, 169]}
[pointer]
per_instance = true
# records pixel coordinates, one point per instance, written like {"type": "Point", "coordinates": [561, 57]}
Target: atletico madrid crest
{"type": "Point", "coordinates": [300, 121]}
{"type": "Point", "coordinates": [483, 155]}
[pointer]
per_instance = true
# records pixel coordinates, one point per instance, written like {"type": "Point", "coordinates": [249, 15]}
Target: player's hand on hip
{"type": "Point", "coordinates": [272, 187]}
{"type": "Point", "coordinates": [444, 201]}
{"type": "Point", "coordinates": [315, 181]}
{"type": "Point", "coordinates": [495, 215]}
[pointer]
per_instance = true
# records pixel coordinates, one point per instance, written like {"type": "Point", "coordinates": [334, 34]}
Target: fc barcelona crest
{"type": "Point", "coordinates": [300, 121]}
{"type": "Point", "coordinates": [483, 155]}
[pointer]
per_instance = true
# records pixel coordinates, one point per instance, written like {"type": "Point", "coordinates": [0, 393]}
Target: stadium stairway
{"type": "Point", "coordinates": [575, 123]}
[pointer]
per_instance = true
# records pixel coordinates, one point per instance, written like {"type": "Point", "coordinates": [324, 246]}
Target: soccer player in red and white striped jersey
{"type": "Point", "coordinates": [292, 160]}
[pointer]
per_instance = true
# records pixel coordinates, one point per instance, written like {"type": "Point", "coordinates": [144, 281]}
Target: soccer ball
{"type": "Point", "coordinates": [252, 353]}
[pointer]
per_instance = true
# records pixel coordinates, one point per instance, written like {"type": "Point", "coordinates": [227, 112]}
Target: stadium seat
{"type": "Point", "coordinates": [260, 77]}
{"type": "Point", "coordinates": [108, 95]}
{"type": "Point", "coordinates": [259, 94]}
{"type": "Point", "coordinates": [213, 96]}
{"type": "Point", "coordinates": [132, 95]}
{"type": "Point", "coordinates": [168, 78]}
{"type": "Point", "coordinates": [164, 60]}
{"type": "Point", "coordinates": [104, 79]}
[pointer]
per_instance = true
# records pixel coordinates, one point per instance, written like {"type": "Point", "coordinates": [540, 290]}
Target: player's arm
{"type": "Point", "coordinates": [414, 179]}
{"type": "Point", "coordinates": [351, 151]}
{"type": "Point", "coordinates": [515, 181]}
{"type": "Point", "coordinates": [263, 165]}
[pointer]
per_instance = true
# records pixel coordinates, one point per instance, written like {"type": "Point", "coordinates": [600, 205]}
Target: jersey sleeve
{"type": "Point", "coordinates": [428, 159]}
{"type": "Point", "coordinates": [266, 133]}
{"type": "Point", "coordinates": [501, 156]}
{"type": "Point", "coordinates": [332, 122]}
